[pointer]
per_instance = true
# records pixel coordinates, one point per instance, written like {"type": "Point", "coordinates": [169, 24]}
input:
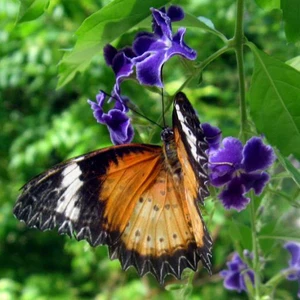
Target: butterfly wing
{"type": "Point", "coordinates": [127, 198]}
{"type": "Point", "coordinates": [191, 145]}
{"type": "Point", "coordinates": [73, 195]}
{"type": "Point", "coordinates": [159, 237]}
{"type": "Point", "coordinates": [123, 197]}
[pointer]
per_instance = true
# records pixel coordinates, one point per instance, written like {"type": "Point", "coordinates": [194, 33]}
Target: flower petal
{"type": "Point", "coordinates": [224, 161]}
{"type": "Point", "coordinates": [234, 277]}
{"type": "Point", "coordinates": [180, 47]}
{"type": "Point", "coordinates": [213, 135]}
{"type": "Point", "coordinates": [233, 195]}
{"type": "Point", "coordinates": [118, 124]}
{"type": "Point", "coordinates": [236, 263]}
{"type": "Point", "coordinates": [219, 177]}
{"type": "Point", "coordinates": [145, 42]}
{"type": "Point", "coordinates": [109, 53]}
{"type": "Point", "coordinates": [148, 71]}
{"type": "Point", "coordinates": [255, 181]}
{"type": "Point", "coordinates": [175, 13]}
{"type": "Point", "coordinates": [229, 153]}
{"type": "Point", "coordinates": [116, 120]}
{"type": "Point", "coordinates": [122, 66]}
{"type": "Point", "coordinates": [161, 24]}
{"type": "Point", "coordinates": [232, 282]}
{"type": "Point", "coordinates": [257, 155]}
{"type": "Point", "coordinates": [294, 249]}
{"type": "Point", "coordinates": [153, 50]}
{"type": "Point", "coordinates": [97, 107]}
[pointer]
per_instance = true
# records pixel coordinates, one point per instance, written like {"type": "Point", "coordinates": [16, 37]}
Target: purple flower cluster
{"type": "Point", "coordinates": [149, 52]}
{"type": "Point", "coordinates": [294, 263]}
{"type": "Point", "coordinates": [236, 167]}
{"type": "Point", "coordinates": [235, 276]}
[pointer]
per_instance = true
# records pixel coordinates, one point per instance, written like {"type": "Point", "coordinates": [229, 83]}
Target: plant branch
{"type": "Point", "coordinates": [237, 43]}
{"type": "Point", "coordinates": [255, 247]}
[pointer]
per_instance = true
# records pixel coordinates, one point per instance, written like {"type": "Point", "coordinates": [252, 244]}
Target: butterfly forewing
{"type": "Point", "coordinates": [191, 146]}
{"type": "Point", "coordinates": [69, 196]}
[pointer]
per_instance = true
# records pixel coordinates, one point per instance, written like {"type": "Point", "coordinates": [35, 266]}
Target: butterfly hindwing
{"type": "Point", "coordinates": [159, 237]}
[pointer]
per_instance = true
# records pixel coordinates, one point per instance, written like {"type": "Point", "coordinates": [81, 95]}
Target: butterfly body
{"type": "Point", "coordinates": [140, 200]}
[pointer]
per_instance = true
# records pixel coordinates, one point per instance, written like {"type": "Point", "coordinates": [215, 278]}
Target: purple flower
{"type": "Point", "coordinates": [240, 168]}
{"type": "Point", "coordinates": [154, 49]}
{"type": "Point", "coordinates": [294, 263]}
{"type": "Point", "coordinates": [116, 120]}
{"type": "Point", "coordinates": [213, 136]}
{"type": "Point", "coordinates": [235, 276]}
{"type": "Point", "coordinates": [121, 63]}
{"type": "Point", "coordinates": [147, 56]}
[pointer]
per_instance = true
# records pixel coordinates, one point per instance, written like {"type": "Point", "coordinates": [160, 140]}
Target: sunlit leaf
{"type": "Point", "coordinates": [31, 9]}
{"type": "Point", "coordinates": [202, 23]}
{"type": "Point", "coordinates": [294, 62]}
{"type": "Point", "coordinates": [101, 28]}
{"type": "Point", "coordinates": [268, 4]}
{"type": "Point", "coordinates": [291, 17]}
{"type": "Point", "coordinates": [190, 21]}
{"type": "Point", "coordinates": [274, 102]}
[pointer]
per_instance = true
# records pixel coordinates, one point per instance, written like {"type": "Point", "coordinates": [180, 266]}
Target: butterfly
{"type": "Point", "coordinates": [141, 200]}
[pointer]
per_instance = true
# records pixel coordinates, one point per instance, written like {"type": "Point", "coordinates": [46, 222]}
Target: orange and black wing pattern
{"type": "Point", "coordinates": [130, 198]}
{"type": "Point", "coordinates": [190, 144]}
{"type": "Point", "coordinates": [87, 195]}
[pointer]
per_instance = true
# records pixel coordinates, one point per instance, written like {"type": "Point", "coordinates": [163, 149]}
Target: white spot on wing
{"type": "Point", "coordinates": [70, 174]}
{"type": "Point", "coordinates": [191, 139]}
{"type": "Point", "coordinates": [80, 158]}
{"type": "Point", "coordinates": [179, 114]}
{"type": "Point", "coordinates": [66, 203]}
{"type": "Point", "coordinates": [190, 136]}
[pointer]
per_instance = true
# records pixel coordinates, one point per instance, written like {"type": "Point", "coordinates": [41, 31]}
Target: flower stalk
{"type": "Point", "coordinates": [237, 43]}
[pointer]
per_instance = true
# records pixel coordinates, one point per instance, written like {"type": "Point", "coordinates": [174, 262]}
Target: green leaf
{"type": "Point", "coordinates": [202, 23]}
{"type": "Point", "coordinates": [31, 9]}
{"type": "Point", "coordinates": [268, 4]}
{"type": "Point", "coordinates": [294, 62]}
{"type": "Point", "coordinates": [275, 231]}
{"type": "Point", "coordinates": [274, 102]}
{"type": "Point", "coordinates": [286, 236]}
{"type": "Point", "coordinates": [101, 28]}
{"type": "Point", "coordinates": [242, 233]}
{"type": "Point", "coordinates": [293, 172]}
{"type": "Point", "coordinates": [291, 17]}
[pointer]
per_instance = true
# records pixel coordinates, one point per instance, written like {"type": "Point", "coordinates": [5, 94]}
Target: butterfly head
{"type": "Point", "coordinates": [167, 134]}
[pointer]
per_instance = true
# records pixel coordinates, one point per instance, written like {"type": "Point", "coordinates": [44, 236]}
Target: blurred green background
{"type": "Point", "coordinates": [41, 126]}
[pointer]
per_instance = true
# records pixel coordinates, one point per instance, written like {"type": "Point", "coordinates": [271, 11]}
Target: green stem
{"type": "Point", "coordinates": [255, 247]}
{"type": "Point", "coordinates": [275, 280]}
{"type": "Point", "coordinates": [237, 43]}
{"type": "Point", "coordinates": [201, 66]}
{"type": "Point", "coordinates": [199, 70]}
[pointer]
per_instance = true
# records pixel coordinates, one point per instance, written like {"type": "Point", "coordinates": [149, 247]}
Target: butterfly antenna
{"type": "Point", "coordinates": [130, 106]}
{"type": "Point", "coordinates": [140, 114]}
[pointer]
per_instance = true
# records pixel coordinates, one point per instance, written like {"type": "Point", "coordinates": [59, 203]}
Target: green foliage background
{"type": "Point", "coordinates": [41, 125]}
